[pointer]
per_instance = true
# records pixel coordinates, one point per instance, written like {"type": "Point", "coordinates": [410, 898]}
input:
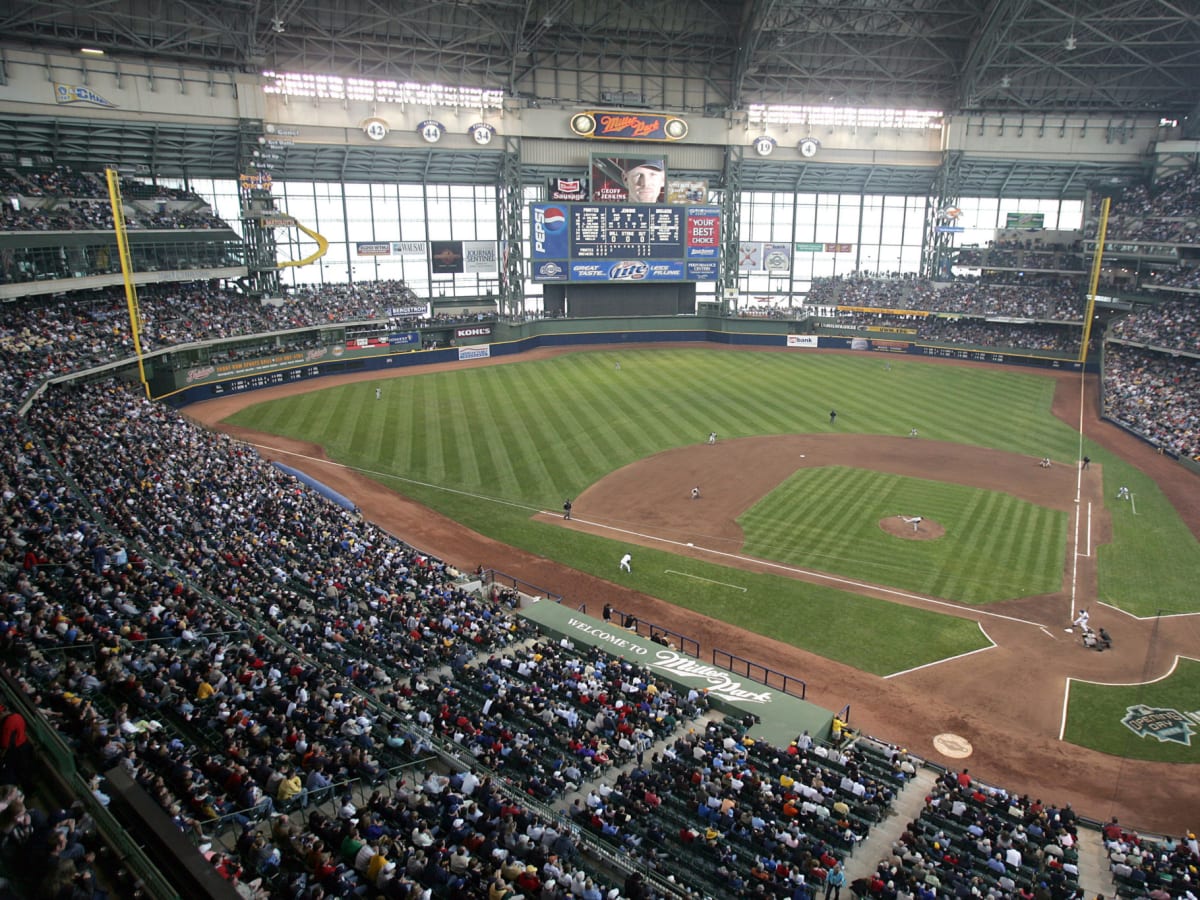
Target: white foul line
{"type": "Point", "coordinates": [825, 576]}
{"type": "Point", "coordinates": [709, 580]}
{"type": "Point", "coordinates": [1062, 725]}
{"type": "Point", "coordinates": [836, 579]}
{"type": "Point", "coordinates": [1075, 555]}
{"type": "Point", "coordinates": [937, 662]}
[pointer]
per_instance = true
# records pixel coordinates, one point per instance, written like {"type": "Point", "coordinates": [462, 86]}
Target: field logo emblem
{"type": "Point", "coordinates": [1164, 724]}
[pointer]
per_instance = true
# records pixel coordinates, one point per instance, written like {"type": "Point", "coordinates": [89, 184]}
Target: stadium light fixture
{"type": "Point", "coordinates": [91, 51]}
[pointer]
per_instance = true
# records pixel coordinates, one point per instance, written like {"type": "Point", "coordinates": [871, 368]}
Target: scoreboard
{"type": "Point", "coordinates": [597, 242]}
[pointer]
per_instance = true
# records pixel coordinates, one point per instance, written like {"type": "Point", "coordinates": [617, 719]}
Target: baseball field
{"type": "Point", "coordinates": [805, 532]}
{"type": "Point", "coordinates": [491, 446]}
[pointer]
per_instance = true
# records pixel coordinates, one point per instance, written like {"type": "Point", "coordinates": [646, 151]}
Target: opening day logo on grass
{"type": "Point", "coordinates": [1164, 724]}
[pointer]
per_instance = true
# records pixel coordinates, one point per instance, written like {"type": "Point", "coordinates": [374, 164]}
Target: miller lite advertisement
{"type": "Point", "coordinates": [568, 189]}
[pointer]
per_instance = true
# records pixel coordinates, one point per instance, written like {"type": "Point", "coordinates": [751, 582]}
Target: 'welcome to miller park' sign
{"type": "Point", "coordinates": [1163, 724]}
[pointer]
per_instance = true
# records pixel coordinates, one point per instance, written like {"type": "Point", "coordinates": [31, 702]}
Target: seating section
{"type": "Point", "coordinates": [65, 200]}
{"type": "Point", "coordinates": [975, 841]}
{"type": "Point", "coordinates": [45, 336]}
{"type": "Point", "coordinates": [1145, 867]}
{"type": "Point", "coordinates": [1167, 212]}
{"type": "Point", "coordinates": [1156, 395]}
{"type": "Point", "coordinates": [245, 650]}
{"type": "Point", "coordinates": [1045, 299]}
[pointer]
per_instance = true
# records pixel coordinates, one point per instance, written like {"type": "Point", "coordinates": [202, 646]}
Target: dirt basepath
{"type": "Point", "coordinates": [1007, 701]}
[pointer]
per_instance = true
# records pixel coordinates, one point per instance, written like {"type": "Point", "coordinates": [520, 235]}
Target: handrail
{"type": "Point", "coordinates": [771, 677]}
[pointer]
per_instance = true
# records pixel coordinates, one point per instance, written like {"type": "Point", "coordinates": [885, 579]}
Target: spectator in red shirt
{"type": "Point", "coordinates": [14, 748]}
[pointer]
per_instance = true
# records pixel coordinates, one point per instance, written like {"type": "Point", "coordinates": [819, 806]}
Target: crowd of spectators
{"type": "Point", "coordinates": [1156, 395]}
{"type": "Point", "coordinates": [1186, 277]}
{"type": "Point", "coordinates": [1060, 301]}
{"type": "Point", "coordinates": [61, 181]}
{"type": "Point", "coordinates": [66, 200]}
{"type": "Point", "coordinates": [1152, 867]}
{"type": "Point", "coordinates": [249, 644]}
{"type": "Point", "coordinates": [1042, 337]}
{"type": "Point", "coordinates": [974, 841]}
{"type": "Point", "coordinates": [43, 336]}
{"type": "Point", "coordinates": [1170, 325]}
{"type": "Point", "coordinates": [750, 817]}
{"type": "Point", "coordinates": [96, 215]}
{"type": "Point", "coordinates": [55, 852]}
{"type": "Point", "coordinates": [1167, 211]}
{"type": "Point", "coordinates": [1027, 254]}
{"type": "Point", "coordinates": [250, 648]}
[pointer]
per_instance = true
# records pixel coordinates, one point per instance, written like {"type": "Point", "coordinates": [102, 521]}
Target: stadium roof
{"type": "Point", "coordinates": [1020, 56]}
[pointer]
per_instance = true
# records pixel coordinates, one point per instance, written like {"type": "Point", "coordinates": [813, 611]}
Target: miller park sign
{"type": "Point", "coordinates": [1163, 724]}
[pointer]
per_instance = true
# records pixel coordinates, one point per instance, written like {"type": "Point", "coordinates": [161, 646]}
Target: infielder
{"type": "Point", "coordinates": [625, 561]}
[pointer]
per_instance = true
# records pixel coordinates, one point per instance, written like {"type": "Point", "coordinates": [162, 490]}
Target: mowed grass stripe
{"type": "Point", "coordinates": [496, 471]}
{"type": "Point", "coordinates": [829, 518]}
{"type": "Point", "coordinates": [521, 440]}
{"type": "Point", "coordinates": [619, 440]}
{"type": "Point", "coordinates": [463, 441]}
{"type": "Point", "coordinates": [568, 429]}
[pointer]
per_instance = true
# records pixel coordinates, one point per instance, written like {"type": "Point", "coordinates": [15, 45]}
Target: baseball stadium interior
{"type": "Point", "coordinates": [222, 678]}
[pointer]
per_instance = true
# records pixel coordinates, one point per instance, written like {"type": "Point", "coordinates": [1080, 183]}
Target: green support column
{"type": "Point", "coordinates": [731, 208]}
{"type": "Point", "coordinates": [254, 156]}
{"type": "Point", "coordinates": [510, 213]}
{"type": "Point", "coordinates": [935, 245]}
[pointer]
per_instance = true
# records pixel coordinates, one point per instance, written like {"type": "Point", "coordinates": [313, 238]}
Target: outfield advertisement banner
{"type": "Point", "coordinates": [446, 257]}
{"type": "Point", "coordinates": [777, 258]}
{"type": "Point", "coordinates": [703, 233]}
{"type": "Point", "coordinates": [379, 248]}
{"type": "Point", "coordinates": [410, 249]}
{"type": "Point", "coordinates": [802, 340]}
{"type": "Point", "coordinates": [575, 189]}
{"type": "Point", "coordinates": [481, 352]}
{"type": "Point", "coordinates": [480, 257]}
{"type": "Point", "coordinates": [405, 339]}
{"type": "Point", "coordinates": [407, 312]}
{"type": "Point", "coordinates": [473, 332]}
{"type": "Point", "coordinates": [629, 270]}
{"type": "Point", "coordinates": [750, 256]}
{"type": "Point", "coordinates": [884, 311]}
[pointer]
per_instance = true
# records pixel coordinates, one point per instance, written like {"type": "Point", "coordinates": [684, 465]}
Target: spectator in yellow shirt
{"type": "Point", "coordinates": [290, 788]}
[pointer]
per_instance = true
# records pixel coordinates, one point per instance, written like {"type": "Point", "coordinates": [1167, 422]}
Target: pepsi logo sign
{"type": "Point", "coordinates": [546, 220]}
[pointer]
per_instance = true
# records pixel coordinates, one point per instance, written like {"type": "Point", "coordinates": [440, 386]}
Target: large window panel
{"type": "Point", "coordinates": [331, 214]}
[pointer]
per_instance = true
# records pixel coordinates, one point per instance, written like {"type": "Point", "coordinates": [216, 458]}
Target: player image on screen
{"type": "Point", "coordinates": [636, 179]}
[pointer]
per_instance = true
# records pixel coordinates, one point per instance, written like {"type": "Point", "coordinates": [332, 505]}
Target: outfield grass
{"type": "Point", "coordinates": [1095, 711]}
{"type": "Point", "coordinates": [488, 446]}
{"type": "Point", "coordinates": [996, 547]}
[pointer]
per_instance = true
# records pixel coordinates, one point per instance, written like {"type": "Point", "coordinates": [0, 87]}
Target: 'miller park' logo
{"type": "Point", "coordinates": [1164, 724]}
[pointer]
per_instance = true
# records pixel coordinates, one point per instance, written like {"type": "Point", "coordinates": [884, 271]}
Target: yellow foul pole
{"type": "Point", "coordinates": [1094, 281]}
{"type": "Point", "coordinates": [131, 300]}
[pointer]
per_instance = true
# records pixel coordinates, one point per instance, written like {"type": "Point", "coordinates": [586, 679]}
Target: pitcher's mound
{"type": "Point", "coordinates": [926, 529]}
